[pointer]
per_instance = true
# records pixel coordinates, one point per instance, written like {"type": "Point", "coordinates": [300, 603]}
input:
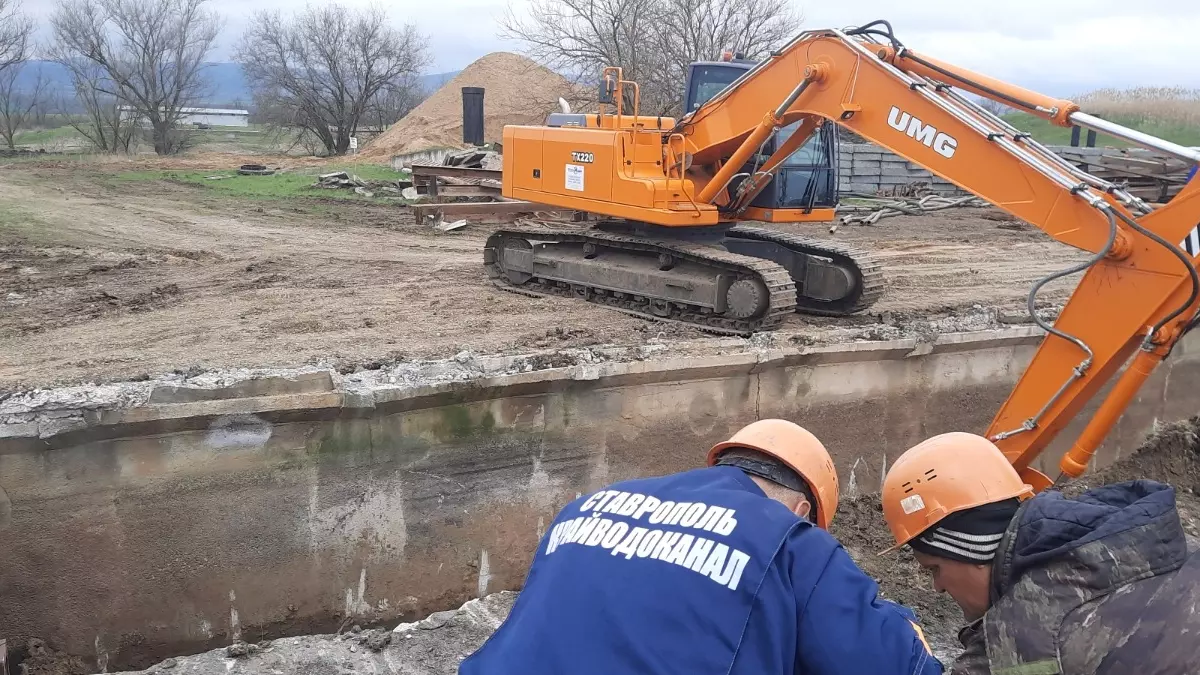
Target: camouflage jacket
{"type": "Point", "coordinates": [1098, 585]}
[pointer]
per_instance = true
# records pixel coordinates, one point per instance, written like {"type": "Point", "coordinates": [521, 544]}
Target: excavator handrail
{"type": "Point", "coordinates": [1140, 292]}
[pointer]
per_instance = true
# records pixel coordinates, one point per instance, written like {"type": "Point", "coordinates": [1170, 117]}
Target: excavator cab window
{"type": "Point", "coordinates": [807, 179]}
{"type": "Point", "coordinates": [707, 79]}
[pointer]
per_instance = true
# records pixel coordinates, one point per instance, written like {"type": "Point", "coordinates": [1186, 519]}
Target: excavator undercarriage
{"type": "Point", "coordinates": [738, 280]}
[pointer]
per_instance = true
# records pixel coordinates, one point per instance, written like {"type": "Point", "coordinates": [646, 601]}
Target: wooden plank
{"type": "Point", "coordinates": [444, 190]}
{"type": "Point", "coordinates": [1145, 166]}
{"type": "Point", "coordinates": [455, 172]}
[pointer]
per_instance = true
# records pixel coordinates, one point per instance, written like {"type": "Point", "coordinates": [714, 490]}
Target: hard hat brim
{"type": "Point", "coordinates": [1024, 493]}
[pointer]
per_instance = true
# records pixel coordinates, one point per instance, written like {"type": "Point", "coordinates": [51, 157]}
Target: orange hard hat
{"type": "Point", "coordinates": [793, 445]}
{"type": "Point", "coordinates": [943, 475]}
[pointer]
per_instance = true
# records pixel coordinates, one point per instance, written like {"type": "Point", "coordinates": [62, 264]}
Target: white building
{"type": "Point", "coordinates": [211, 117]}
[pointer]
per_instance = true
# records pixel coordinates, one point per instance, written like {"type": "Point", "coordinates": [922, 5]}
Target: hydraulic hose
{"type": "Point", "coordinates": [904, 53]}
{"type": "Point", "coordinates": [1081, 369]}
{"type": "Point", "coordinates": [1074, 269]}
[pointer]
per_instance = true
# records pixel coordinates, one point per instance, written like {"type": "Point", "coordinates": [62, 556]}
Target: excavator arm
{"type": "Point", "coordinates": [1139, 291]}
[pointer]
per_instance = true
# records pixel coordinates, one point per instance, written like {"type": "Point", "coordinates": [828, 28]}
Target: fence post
{"type": "Point", "coordinates": [1091, 135]}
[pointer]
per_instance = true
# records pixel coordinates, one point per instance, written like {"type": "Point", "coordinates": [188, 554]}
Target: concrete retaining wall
{"type": "Point", "coordinates": [190, 518]}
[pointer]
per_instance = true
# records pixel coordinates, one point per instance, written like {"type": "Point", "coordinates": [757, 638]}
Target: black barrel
{"type": "Point", "coordinates": [472, 115]}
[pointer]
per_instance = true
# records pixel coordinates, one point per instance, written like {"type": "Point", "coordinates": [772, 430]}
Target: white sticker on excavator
{"type": "Point", "coordinates": [575, 177]}
{"type": "Point", "coordinates": [912, 504]}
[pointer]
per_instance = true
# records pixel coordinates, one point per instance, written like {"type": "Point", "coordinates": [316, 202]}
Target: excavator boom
{"type": "Point", "coordinates": [1139, 291]}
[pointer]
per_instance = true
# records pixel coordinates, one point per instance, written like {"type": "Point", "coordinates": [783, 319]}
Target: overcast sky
{"type": "Point", "coordinates": [1059, 46]}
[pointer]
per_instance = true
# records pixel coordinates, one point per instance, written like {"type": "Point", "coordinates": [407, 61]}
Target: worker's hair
{"type": "Point", "coordinates": [773, 489]}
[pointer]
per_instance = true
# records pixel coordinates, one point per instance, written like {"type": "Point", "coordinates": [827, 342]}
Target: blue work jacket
{"type": "Point", "coordinates": [694, 573]}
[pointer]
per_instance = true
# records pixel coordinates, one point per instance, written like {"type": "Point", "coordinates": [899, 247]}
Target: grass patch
{"type": "Point", "coordinates": [1172, 114]}
{"type": "Point", "coordinates": [290, 185]}
{"type": "Point", "coordinates": [21, 222]}
{"type": "Point", "coordinates": [47, 136]}
{"type": "Point", "coordinates": [1045, 132]}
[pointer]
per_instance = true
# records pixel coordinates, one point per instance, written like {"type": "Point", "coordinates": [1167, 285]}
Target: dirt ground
{"type": "Point", "coordinates": [104, 279]}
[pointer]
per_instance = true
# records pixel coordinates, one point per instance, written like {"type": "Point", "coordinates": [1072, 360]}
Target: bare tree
{"type": "Point", "coordinates": [995, 107]}
{"type": "Point", "coordinates": [396, 101]}
{"type": "Point", "coordinates": [103, 122]}
{"type": "Point", "coordinates": [699, 30]}
{"type": "Point", "coordinates": [16, 35]}
{"type": "Point", "coordinates": [324, 69]}
{"type": "Point", "coordinates": [18, 101]}
{"type": "Point", "coordinates": [16, 48]}
{"type": "Point", "coordinates": [653, 41]}
{"type": "Point", "coordinates": [581, 37]}
{"type": "Point", "coordinates": [151, 54]}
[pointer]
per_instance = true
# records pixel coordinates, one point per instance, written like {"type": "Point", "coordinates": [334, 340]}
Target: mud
{"type": "Point", "coordinates": [1171, 454]}
{"type": "Point", "coordinates": [859, 526]}
{"type": "Point", "coordinates": [39, 659]}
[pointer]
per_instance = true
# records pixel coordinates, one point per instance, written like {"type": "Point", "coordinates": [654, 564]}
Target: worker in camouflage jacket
{"type": "Point", "coordinates": [1097, 585]}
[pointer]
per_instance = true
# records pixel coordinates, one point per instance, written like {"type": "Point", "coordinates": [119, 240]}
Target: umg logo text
{"type": "Point", "coordinates": [941, 143]}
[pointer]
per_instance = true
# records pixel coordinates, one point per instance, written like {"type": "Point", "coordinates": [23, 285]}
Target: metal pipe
{"type": "Point", "coordinates": [787, 102]}
{"type": "Point", "coordinates": [751, 145]}
{"type": "Point", "coordinates": [1075, 462]}
{"type": "Point", "coordinates": [1136, 137]}
{"type": "Point", "coordinates": [738, 159]}
{"type": "Point", "coordinates": [1042, 150]}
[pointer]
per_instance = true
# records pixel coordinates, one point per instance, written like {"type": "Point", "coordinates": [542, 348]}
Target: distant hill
{"type": "Point", "coordinates": [432, 83]}
{"type": "Point", "coordinates": [229, 83]}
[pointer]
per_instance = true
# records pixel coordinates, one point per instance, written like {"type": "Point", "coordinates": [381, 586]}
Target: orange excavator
{"type": "Point", "coordinates": [670, 195]}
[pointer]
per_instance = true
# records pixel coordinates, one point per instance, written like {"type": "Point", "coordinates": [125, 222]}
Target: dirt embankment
{"type": "Point", "coordinates": [1171, 454]}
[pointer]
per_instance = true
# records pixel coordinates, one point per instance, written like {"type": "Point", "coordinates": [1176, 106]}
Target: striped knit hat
{"type": "Point", "coordinates": [970, 536]}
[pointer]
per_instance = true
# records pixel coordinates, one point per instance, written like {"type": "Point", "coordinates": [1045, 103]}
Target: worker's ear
{"type": "Point", "coordinates": [803, 508]}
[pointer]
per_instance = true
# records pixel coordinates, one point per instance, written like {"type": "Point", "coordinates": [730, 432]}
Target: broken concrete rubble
{"type": "Point", "coordinates": [48, 413]}
{"type": "Point", "coordinates": [342, 180]}
{"type": "Point", "coordinates": [475, 159]}
{"type": "Point", "coordinates": [433, 646]}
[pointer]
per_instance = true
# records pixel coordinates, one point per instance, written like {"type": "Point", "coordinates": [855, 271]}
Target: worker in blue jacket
{"type": "Point", "coordinates": [725, 570]}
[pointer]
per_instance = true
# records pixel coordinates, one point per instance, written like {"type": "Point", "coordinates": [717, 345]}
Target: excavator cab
{"type": "Point", "coordinates": [808, 179]}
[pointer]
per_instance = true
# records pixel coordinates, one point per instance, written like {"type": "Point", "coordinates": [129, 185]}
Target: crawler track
{"type": "Point", "coordinates": [765, 297]}
{"type": "Point", "coordinates": [867, 269]}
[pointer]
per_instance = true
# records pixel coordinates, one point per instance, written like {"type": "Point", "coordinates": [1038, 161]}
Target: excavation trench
{"type": "Point", "coordinates": [167, 518]}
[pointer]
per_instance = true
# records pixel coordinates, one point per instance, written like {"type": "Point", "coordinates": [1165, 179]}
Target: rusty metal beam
{"type": "Point", "coordinates": [463, 190]}
{"type": "Point", "coordinates": [497, 212]}
{"type": "Point", "coordinates": [454, 171]}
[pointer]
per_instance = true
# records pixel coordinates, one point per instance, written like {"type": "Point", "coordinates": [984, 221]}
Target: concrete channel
{"type": "Point", "coordinates": [160, 518]}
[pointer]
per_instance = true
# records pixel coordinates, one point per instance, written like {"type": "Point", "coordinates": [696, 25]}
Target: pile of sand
{"type": "Point", "coordinates": [517, 91]}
